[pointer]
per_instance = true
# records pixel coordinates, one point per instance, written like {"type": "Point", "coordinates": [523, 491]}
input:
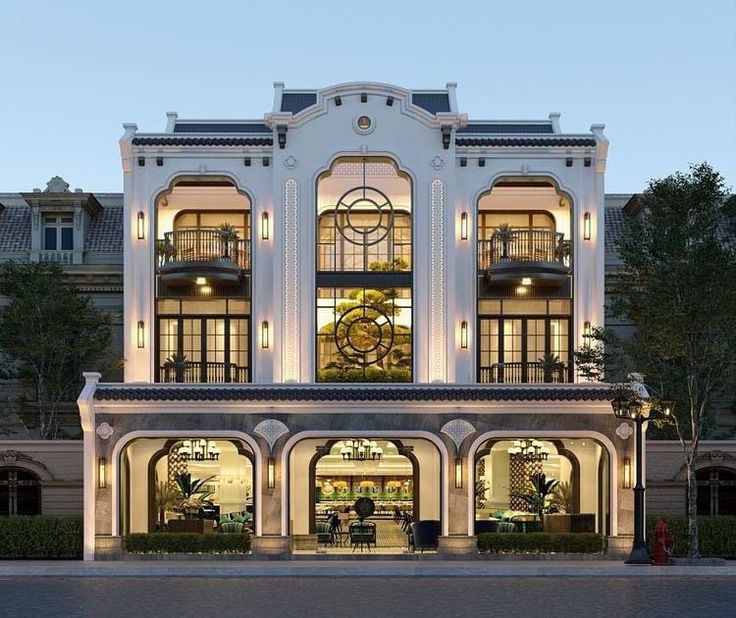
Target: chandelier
{"type": "Point", "coordinates": [529, 450]}
{"type": "Point", "coordinates": [361, 450]}
{"type": "Point", "coordinates": [199, 450]}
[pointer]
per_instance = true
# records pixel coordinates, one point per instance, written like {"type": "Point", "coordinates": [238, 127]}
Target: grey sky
{"type": "Point", "coordinates": [660, 74]}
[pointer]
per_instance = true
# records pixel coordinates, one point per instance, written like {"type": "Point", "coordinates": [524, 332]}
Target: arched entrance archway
{"type": "Point", "coordinates": [20, 492]}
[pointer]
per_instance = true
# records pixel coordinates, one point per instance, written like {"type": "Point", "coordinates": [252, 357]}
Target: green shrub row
{"type": "Point", "coordinates": [716, 535]}
{"type": "Point", "coordinates": [186, 543]}
{"type": "Point", "coordinates": [541, 542]}
{"type": "Point", "coordinates": [41, 537]}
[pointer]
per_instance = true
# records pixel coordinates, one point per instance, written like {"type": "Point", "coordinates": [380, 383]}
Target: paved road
{"type": "Point", "coordinates": [368, 596]}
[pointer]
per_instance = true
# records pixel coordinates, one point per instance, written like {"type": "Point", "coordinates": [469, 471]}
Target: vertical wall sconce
{"type": "Point", "coordinates": [102, 473]}
{"type": "Point", "coordinates": [264, 226]}
{"type": "Point", "coordinates": [627, 473]}
{"type": "Point", "coordinates": [264, 335]}
{"type": "Point", "coordinates": [587, 331]}
{"type": "Point", "coordinates": [271, 473]}
{"type": "Point", "coordinates": [141, 334]}
{"type": "Point", "coordinates": [141, 226]}
{"type": "Point", "coordinates": [458, 473]}
{"type": "Point", "coordinates": [586, 226]}
{"type": "Point", "coordinates": [464, 335]}
{"type": "Point", "coordinates": [464, 226]}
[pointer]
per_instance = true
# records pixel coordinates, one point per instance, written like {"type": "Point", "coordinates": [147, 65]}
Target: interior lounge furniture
{"type": "Point", "coordinates": [362, 534]}
{"type": "Point", "coordinates": [231, 527]}
{"type": "Point", "coordinates": [324, 533]}
{"type": "Point", "coordinates": [424, 535]}
{"type": "Point", "coordinates": [486, 525]}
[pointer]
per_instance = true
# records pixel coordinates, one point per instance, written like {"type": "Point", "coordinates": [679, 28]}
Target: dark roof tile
{"type": "Point", "coordinates": [490, 128]}
{"type": "Point", "coordinates": [328, 393]}
{"type": "Point", "coordinates": [529, 141]}
{"type": "Point", "coordinates": [220, 127]}
{"type": "Point", "coordinates": [295, 102]}
{"type": "Point", "coordinates": [164, 140]}
{"type": "Point", "coordinates": [433, 102]}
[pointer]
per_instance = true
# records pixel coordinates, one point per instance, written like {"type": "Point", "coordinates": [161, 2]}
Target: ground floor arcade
{"type": "Point", "coordinates": [336, 469]}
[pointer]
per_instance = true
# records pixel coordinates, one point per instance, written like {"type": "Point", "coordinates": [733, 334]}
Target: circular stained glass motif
{"type": "Point", "coordinates": [364, 508]}
{"type": "Point", "coordinates": [364, 215]}
{"type": "Point", "coordinates": [364, 123]}
{"type": "Point", "coordinates": [364, 334]}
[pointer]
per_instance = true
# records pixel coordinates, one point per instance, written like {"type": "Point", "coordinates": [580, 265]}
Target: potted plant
{"type": "Point", "coordinates": [505, 235]}
{"type": "Point", "coordinates": [192, 494]}
{"type": "Point", "coordinates": [228, 235]}
{"type": "Point", "coordinates": [176, 363]}
{"type": "Point", "coordinates": [551, 366]}
{"type": "Point", "coordinates": [540, 487]}
{"type": "Point", "coordinates": [167, 499]}
{"type": "Point", "coordinates": [564, 251]}
{"type": "Point", "coordinates": [165, 251]}
{"type": "Point", "coordinates": [561, 506]}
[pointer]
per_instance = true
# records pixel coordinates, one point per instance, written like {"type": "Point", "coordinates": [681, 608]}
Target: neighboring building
{"type": "Point", "coordinates": [82, 231]}
{"type": "Point", "coordinates": [390, 311]}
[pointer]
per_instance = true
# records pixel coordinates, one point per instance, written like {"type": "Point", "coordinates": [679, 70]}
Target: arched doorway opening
{"type": "Point", "coordinates": [152, 494]}
{"type": "Point", "coordinates": [20, 492]}
{"type": "Point", "coordinates": [400, 477]}
{"type": "Point", "coordinates": [505, 498]}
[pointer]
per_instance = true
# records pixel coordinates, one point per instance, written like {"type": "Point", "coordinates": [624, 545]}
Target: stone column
{"type": "Point", "coordinates": [271, 541]}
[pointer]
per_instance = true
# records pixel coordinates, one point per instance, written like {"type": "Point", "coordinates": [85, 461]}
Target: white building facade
{"type": "Point", "coordinates": [363, 268]}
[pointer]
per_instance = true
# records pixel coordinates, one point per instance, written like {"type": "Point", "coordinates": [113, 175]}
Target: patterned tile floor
{"type": "Point", "coordinates": [390, 538]}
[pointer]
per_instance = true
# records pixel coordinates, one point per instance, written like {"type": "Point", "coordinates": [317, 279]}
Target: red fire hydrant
{"type": "Point", "coordinates": [664, 544]}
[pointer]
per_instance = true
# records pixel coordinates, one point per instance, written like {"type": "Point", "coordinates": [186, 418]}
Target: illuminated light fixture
{"type": "Point", "coordinates": [464, 226]}
{"type": "Point", "coordinates": [627, 473]}
{"type": "Point", "coordinates": [201, 281]}
{"type": "Point", "coordinates": [141, 226]}
{"type": "Point", "coordinates": [464, 335]}
{"type": "Point", "coordinates": [141, 334]}
{"type": "Point", "coordinates": [522, 289]}
{"type": "Point", "coordinates": [271, 473]}
{"type": "Point", "coordinates": [264, 226]}
{"type": "Point", "coordinates": [102, 473]}
{"type": "Point", "coordinates": [586, 226]}
{"type": "Point", "coordinates": [528, 450]}
{"type": "Point", "coordinates": [361, 450]}
{"type": "Point", "coordinates": [587, 330]}
{"type": "Point", "coordinates": [526, 281]}
{"type": "Point", "coordinates": [458, 472]}
{"type": "Point", "coordinates": [205, 289]}
{"type": "Point", "coordinates": [264, 334]}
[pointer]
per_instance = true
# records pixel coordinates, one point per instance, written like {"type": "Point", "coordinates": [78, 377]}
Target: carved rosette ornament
{"type": "Point", "coordinates": [457, 429]}
{"type": "Point", "coordinates": [271, 430]}
{"type": "Point", "coordinates": [104, 430]}
{"type": "Point", "coordinates": [624, 431]}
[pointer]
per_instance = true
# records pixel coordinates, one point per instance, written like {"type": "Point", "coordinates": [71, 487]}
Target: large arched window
{"type": "Point", "coordinates": [716, 491]}
{"type": "Point", "coordinates": [364, 282]}
{"type": "Point", "coordinates": [20, 492]}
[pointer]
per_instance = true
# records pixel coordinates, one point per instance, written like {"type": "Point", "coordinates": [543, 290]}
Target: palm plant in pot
{"type": "Point", "coordinates": [228, 235]}
{"type": "Point", "coordinates": [535, 496]}
{"type": "Point", "coordinates": [505, 235]}
{"type": "Point", "coordinates": [551, 367]}
{"type": "Point", "coordinates": [177, 363]}
{"type": "Point", "coordinates": [193, 494]}
{"type": "Point", "coordinates": [167, 499]}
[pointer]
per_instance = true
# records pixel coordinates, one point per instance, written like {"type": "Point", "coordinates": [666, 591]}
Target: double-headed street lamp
{"type": "Point", "coordinates": [631, 409]}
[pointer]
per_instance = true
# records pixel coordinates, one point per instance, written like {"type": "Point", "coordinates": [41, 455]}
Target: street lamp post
{"type": "Point", "coordinates": [629, 409]}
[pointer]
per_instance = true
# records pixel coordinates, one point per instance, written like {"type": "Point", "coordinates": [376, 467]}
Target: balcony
{"type": "Point", "coordinates": [186, 255]}
{"type": "Point", "coordinates": [512, 255]}
{"type": "Point", "coordinates": [190, 372]}
{"type": "Point", "coordinates": [537, 372]}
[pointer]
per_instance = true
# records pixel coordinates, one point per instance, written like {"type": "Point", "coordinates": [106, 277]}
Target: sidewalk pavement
{"type": "Point", "coordinates": [353, 568]}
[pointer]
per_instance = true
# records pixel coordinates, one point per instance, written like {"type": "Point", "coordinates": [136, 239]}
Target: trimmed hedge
{"type": "Point", "coordinates": [717, 535]}
{"type": "Point", "coordinates": [541, 542]}
{"type": "Point", "coordinates": [186, 543]}
{"type": "Point", "coordinates": [41, 537]}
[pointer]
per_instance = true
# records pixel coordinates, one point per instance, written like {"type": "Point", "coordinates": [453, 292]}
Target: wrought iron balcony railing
{"type": "Point", "coordinates": [191, 372]}
{"type": "Point", "coordinates": [202, 245]}
{"type": "Point", "coordinates": [525, 373]}
{"type": "Point", "coordinates": [523, 246]}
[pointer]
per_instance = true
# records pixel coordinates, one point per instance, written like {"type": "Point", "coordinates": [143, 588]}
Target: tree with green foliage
{"type": "Point", "coordinates": [49, 334]}
{"type": "Point", "coordinates": [677, 285]}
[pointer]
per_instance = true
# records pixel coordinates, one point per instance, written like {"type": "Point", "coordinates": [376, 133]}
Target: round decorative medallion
{"type": "Point", "coordinates": [364, 215]}
{"type": "Point", "coordinates": [362, 331]}
{"type": "Point", "coordinates": [364, 508]}
{"type": "Point", "coordinates": [363, 124]}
